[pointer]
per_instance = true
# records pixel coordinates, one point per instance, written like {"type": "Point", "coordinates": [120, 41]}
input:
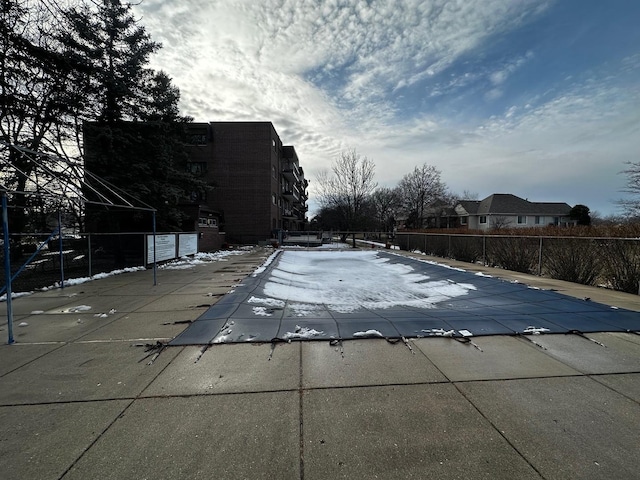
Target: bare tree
{"type": "Point", "coordinates": [632, 206]}
{"type": "Point", "coordinates": [419, 189]}
{"type": "Point", "coordinates": [386, 204]}
{"type": "Point", "coordinates": [499, 223]}
{"type": "Point", "coordinates": [347, 186]}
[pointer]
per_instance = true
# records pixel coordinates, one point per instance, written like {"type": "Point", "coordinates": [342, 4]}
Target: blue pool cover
{"type": "Point", "coordinates": [358, 294]}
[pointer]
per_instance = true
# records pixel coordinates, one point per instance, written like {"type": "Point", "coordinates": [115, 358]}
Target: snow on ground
{"type": "Point", "coordinates": [264, 266]}
{"type": "Point", "coordinates": [200, 258]}
{"type": "Point", "coordinates": [181, 263]}
{"type": "Point", "coordinates": [348, 280]}
{"type": "Point", "coordinates": [368, 333]}
{"type": "Point", "coordinates": [303, 333]}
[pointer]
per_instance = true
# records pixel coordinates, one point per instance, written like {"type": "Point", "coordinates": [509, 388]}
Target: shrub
{"type": "Point", "coordinates": [621, 259]}
{"type": "Point", "coordinates": [571, 259]}
{"type": "Point", "coordinates": [519, 254]}
{"type": "Point", "coordinates": [466, 249]}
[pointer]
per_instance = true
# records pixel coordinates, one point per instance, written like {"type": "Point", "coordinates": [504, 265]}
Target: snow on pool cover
{"type": "Point", "coordinates": [326, 295]}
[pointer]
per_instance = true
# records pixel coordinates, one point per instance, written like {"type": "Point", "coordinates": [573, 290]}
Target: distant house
{"type": "Point", "coordinates": [503, 210]}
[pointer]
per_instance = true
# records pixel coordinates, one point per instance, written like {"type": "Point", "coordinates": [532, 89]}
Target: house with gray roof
{"type": "Point", "coordinates": [503, 210]}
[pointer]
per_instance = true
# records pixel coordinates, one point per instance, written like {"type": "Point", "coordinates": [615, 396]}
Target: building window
{"type": "Point", "coordinates": [273, 198]}
{"type": "Point", "coordinates": [463, 220]}
{"type": "Point", "coordinates": [483, 219]}
{"type": "Point", "coordinates": [273, 142]}
{"type": "Point", "coordinates": [207, 222]}
{"type": "Point", "coordinates": [538, 220]}
{"type": "Point", "coordinates": [197, 139]}
{"type": "Point", "coordinates": [197, 168]}
{"type": "Point", "coordinates": [273, 171]}
{"type": "Point", "coordinates": [522, 219]}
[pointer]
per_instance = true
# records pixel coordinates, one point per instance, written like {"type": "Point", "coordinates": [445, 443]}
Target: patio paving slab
{"type": "Point", "coordinates": [565, 427]}
{"type": "Point", "coordinates": [399, 432]}
{"type": "Point", "coordinates": [60, 327]}
{"type": "Point", "coordinates": [501, 357]}
{"type": "Point", "coordinates": [229, 369]}
{"type": "Point", "coordinates": [364, 362]}
{"type": "Point", "coordinates": [52, 436]}
{"type": "Point", "coordinates": [212, 436]}
{"type": "Point", "coordinates": [175, 302]}
{"type": "Point", "coordinates": [627, 384]}
{"type": "Point", "coordinates": [138, 325]}
{"type": "Point", "coordinates": [16, 355]}
{"type": "Point", "coordinates": [614, 354]}
{"type": "Point", "coordinates": [83, 371]}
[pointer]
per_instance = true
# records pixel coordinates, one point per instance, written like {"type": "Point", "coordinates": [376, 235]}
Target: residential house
{"type": "Point", "coordinates": [503, 210]}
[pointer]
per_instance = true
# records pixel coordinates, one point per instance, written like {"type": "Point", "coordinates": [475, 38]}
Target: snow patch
{"type": "Point", "coordinates": [264, 266]}
{"type": "Point", "coordinates": [261, 311]}
{"type": "Point", "coordinates": [439, 332]}
{"type": "Point", "coordinates": [303, 332]}
{"type": "Point", "coordinates": [79, 308]}
{"type": "Point", "coordinates": [347, 281]}
{"type": "Point", "coordinates": [480, 274]}
{"type": "Point", "coordinates": [368, 333]}
{"type": "Point", "coordinates": [535, 330]}
{"type": "Point", "coordinates": [270, 302]}
{"type": "Point", "coordinates": [184, 263]}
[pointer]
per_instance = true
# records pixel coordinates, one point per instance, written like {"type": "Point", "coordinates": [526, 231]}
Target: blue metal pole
{"type": "Point", "coordinates": [61, 254]}
{"type": "Point", "coordinates": [7, 267]}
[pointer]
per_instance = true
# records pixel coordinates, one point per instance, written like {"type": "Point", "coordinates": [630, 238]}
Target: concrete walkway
{"type": "Point", "coordinates": [81, 398]}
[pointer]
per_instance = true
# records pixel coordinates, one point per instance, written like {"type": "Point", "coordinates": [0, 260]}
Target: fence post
{"type": "Point", "coordinates": [484, 250]}
{"type": "Point", "coordinates": [61, 249]}
{"type": "Point", "coordinates": [7, 267]}
{"type": "Point", "coordinates": [540, 258]}
{"type": "Point", "coordinates": [155, 265]}
{"type": "Point", "coordinates": [90, 258]}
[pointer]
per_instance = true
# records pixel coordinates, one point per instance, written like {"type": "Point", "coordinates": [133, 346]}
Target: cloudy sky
{"type": "Point", "coordinates": [539, 98]}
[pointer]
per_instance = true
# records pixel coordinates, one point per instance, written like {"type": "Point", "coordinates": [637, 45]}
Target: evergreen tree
{"type": "Point", "coordinates": [133, 134]}
{"type": "Point", "coordinates": [106, 37]}
{"type": "Point", "coordinates": [580, 213]}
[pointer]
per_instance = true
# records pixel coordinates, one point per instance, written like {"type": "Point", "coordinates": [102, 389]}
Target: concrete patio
{"type": "Point", "coordinates": [84, 393]}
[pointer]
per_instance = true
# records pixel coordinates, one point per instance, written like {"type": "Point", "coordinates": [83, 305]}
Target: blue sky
{"type": "Point", "coordinates": [538, 98]}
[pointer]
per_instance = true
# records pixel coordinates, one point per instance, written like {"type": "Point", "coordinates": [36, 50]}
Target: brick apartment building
{"type": "Point", "coordinates": [259, 185]}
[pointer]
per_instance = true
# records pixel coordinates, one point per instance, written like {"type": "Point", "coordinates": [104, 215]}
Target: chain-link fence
{"type": "Point", "coordinates": [39, 261]}
{"type": "Point", "coordinates": [610, 262]}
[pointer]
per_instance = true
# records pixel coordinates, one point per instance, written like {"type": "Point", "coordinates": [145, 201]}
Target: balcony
{"type": "Point", "coordinates": [289, 214]}
{"type": "Point", "coordinates": [290, 172]}
{"type": "Point", "coordinates": [290, 193]}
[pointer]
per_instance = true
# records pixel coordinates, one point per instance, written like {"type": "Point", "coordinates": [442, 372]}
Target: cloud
{"type": "Point", "coordinates": [395, 80]}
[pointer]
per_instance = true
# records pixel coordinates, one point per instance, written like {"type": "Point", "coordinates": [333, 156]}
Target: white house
{"type": "Point", "coordinates": [503, 210]}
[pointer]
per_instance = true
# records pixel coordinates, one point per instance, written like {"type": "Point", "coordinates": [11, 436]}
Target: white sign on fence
{"type": "Point", "coordinates": [187, 244]}
{"type": "Point", "coordinates": [165, 248]}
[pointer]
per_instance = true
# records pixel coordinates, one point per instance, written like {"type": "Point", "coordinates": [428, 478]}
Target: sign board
{"type": "Point", "coordinates": [165, 248]}
{"type": "Point", "coordinates": [187, 244]}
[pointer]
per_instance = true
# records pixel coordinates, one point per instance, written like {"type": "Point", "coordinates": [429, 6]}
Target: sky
{"type": "Point", "coordinates": [537, 98]}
